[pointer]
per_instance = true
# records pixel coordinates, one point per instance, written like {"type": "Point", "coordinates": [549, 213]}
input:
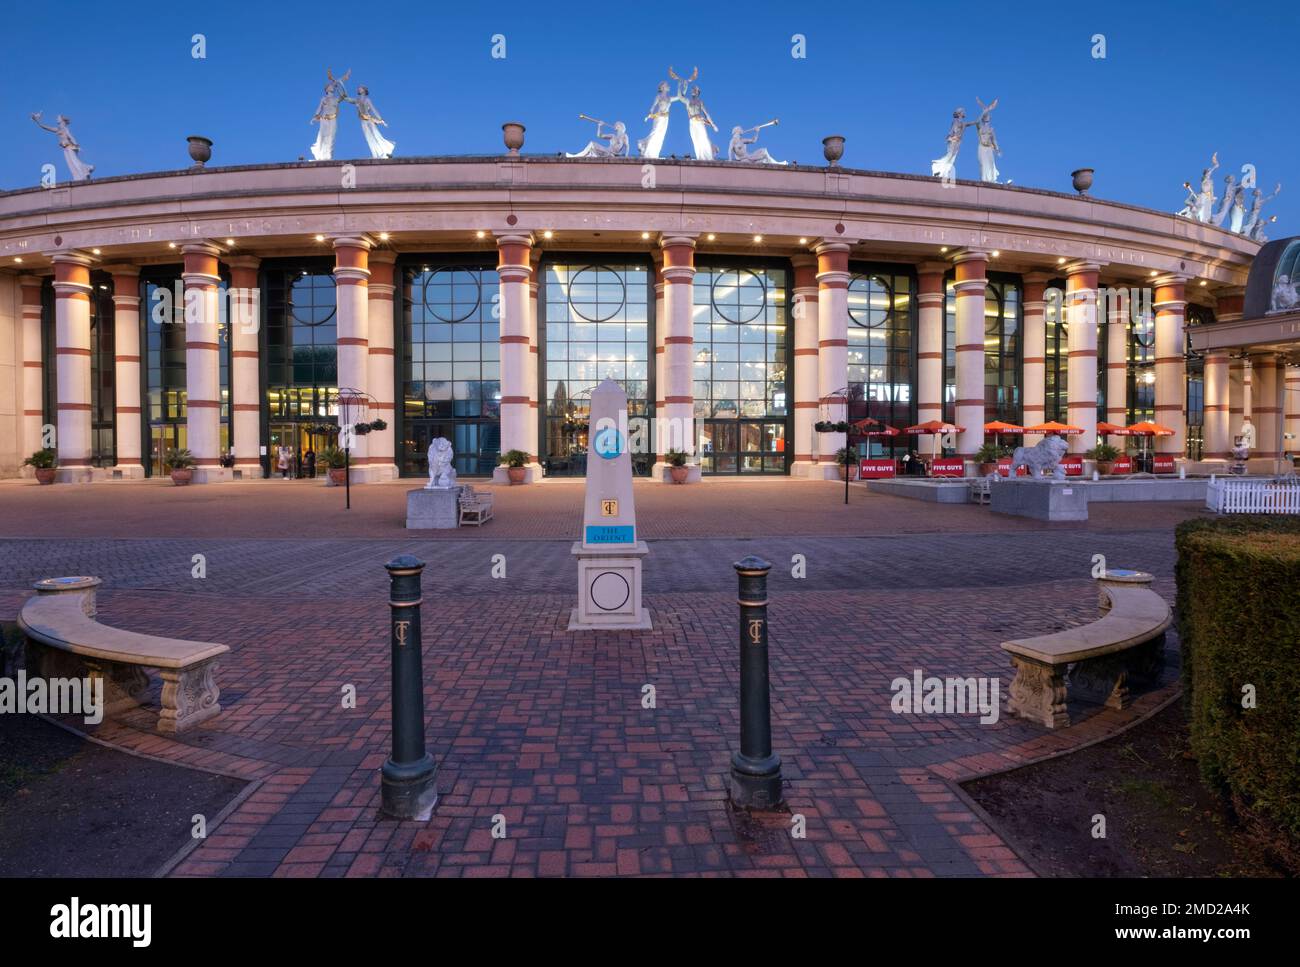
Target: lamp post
{"type": "Point", "coordinates": [354, 406]}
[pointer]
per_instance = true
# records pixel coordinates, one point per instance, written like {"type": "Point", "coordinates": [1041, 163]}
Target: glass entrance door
{"type": "Point", "coordinates": [164, 437]}
{"type": "Point", "coordinates": [742, 446]}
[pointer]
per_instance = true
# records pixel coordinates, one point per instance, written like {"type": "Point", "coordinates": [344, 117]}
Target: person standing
{"type": "Point", "coordinates": [309, 463]}
{"type": "Point", "coordinates": [283, 462]}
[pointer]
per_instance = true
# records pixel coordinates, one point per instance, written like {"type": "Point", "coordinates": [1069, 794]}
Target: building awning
{"type": "Point", "coordinates": [1278, 332]}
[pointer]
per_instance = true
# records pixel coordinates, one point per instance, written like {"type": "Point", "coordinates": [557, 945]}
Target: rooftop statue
{"type": "Point", "coordinates": [1230, 190]}
{"type": "Point", "coordinates": [653, 143]}
{"type": "Point", "coordinates": [705, 150]}
{"type": "Point", "coordinates": [77, 169]}
{"type": "Point", "coordinates": [988, 142]}
{"type": "Point", "coordinates": [380, 147]}
{"type": "Point", "coordinates": [1286, 295]}
{"type": "Point", "coordinates": [1254, 227]}
{"type": "Point", "coordinates": [327, 114]}
{"type": "Point", "coordinates": [738, 149]}
{"type": "Point", "coordinates": [946, 167]}
{"type": "Point", "coordinates": [1203, 210]}
{"type": "Point", "coordinates": [617, 146]}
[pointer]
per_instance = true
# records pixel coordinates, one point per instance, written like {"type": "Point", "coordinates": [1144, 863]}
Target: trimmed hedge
{"type": "Point", "coordinates": [1239, 621]}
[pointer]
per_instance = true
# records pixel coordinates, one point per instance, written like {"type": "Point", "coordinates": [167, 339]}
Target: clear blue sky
{"type": "Point", "coordinates": [1179, 81]}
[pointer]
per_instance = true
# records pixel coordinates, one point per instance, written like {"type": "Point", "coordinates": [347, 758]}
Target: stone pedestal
{"type": "Point", "coordinates": [1039, 499]}
{"type": "Point", "coordinates": [609, 588]}
{"type": "Point", "coordinates": [432, 509]}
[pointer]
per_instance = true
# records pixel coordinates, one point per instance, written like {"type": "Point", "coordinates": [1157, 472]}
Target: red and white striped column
{"type": "Point", "coordinates": [32, 385]}
{"type": "Point", "coordinates": [1291, 410]}
{"type": "Point", "coordinates": [534, 357]}
{"type": "Point", "coordinates": [971, 281]}
{"type": "Point", "coordinates": [202, 359]}
{"type": "Point", "coordinates": [1081, 311]}
{"type": "Point", "coordinates": [72, 365]}
{"type": "Point", "coordinates": [832, 348]}
{"type": "Point", "coordinates": [515, 271]}
{"type": "Point", "coordinates": [661, 381]}
{"type": "Point", "coordinates": [1217, 442]}
{"type": "Point", "coordinates": [381, 364]}
{"type": "Point", "coordinates": [929, 341]}
{"type": "Point", "coordinates": [1118, 309]}
{"type": "Point", "coordinates": [677, 422]}
{"type": "Point", "coordinates": [1266, 411]}
{"type": "Point", "coordinates": [1171, 363]}
{"type": "Point", "coordinates": [1034, 391]}
{"type": "Point", "coordinates": [352, 296]}
{"type": "Point", "coordinates": [806, 381]}
{"type": "Point", "coordinates": [245, 321]}
{"type": "Point", "coordinates": [128, 414]}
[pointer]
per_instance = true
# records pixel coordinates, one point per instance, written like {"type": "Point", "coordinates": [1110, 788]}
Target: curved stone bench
{"type": "Point", "coordinates": [1126, 642]}
{"type": "Point", "coordinates": [69, 642]}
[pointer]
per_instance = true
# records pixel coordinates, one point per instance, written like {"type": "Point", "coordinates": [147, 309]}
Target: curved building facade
{"type": "Point", "coordinates": [236, 311]}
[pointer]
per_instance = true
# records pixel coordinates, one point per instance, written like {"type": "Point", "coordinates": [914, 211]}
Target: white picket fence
{"type": "Point", "coordinates": [1279, 496]}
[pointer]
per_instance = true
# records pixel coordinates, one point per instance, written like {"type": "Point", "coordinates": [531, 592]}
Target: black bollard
{"type": "Point", "coordinates": [409, 775]}
{"type": "Point", "coordinates": [755, 769]}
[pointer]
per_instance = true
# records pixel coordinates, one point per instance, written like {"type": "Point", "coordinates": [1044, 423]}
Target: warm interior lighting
{"type": "Point", "coordinates": [758, 239]}
{"type": "Point", "coordinates": [548, 234]}
{"type": "Point", "coordinates": [18, 258]}
{"type": "Point", "coordinates": [383, 236]}
{"type": "Point", "coordinates": [995, 253]}
{"type": "Point", "coordinates": [712, 236]}
{"type": "Point", "coordinates": [943, 248]}
{"type": "Point", "coordinates": [1061, 260]}
{"type": "Point", "coordinates": [1204, 282]}
{"type": "Point", "coordinates": [320, 238]}
{"type": "Point", "coordinates": [480, 234]}
{"type": "Point", "coordinates": [94, 251]}
{"type": "Point", "coordinates": [803, 241]}
{"type": "Point", "coordinates": [645, 235]}
{"type": "Point", "coordinates": [230, 241]}
{"type": "Point", "coordinates": [171, 244]}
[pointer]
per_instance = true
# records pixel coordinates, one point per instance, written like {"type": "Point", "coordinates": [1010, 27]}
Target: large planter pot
{"type": "Point", "coordinates": [517, 475]}
{"type": "Point", "coordinates": [988, 468]}
{"type": "Point", "coordinates": [1082, 180]}
{"type": "Point", "coordinates": [512, 132]}
{"type": "Point", "coordinates": [679, 474]}
{"type": "Point", "coordinates": [181, 476]}
{"type": "Point", "coordinates": [338, 476]}
{"type": "Point", "coordinates": [833, 148]}
{"type": "Point", "coordinates": [45, 475]}
{"type": "Point", "coordinates": [1104, 467]}
{"type": "Point", "coordinates": [851, 473]}
{"type": "Point", "coordinates": [200, 150]}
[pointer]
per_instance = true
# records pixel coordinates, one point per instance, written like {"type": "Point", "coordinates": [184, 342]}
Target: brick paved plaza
{"type": "Point", "coordinates": [545, 727]}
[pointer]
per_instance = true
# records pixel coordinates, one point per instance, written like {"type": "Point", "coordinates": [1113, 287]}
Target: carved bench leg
{"type": "Point", "coordinates": [124, 685]}
{"type": "Point", "coordinates": [189, 696]}
{"type": "Point", "coordinates": [1038, 693]}
{"type": "Point", "coordinates": [1102, 681]}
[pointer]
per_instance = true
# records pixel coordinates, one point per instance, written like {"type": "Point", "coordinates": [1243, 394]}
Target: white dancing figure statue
{"type": "Point", "coordinates": [616, 148]}
{"type": "Point", "coordinates": [78, 169]}
{"type": "Point", "coordinates": [380, 146]}
{"type": "Point", "coordinates": [946, 167]}
{"type": "Point", "coordinates": [327, 115]}
{"type": "Point", "coordinates": [701, 121]}
{"type": "Point", "coordinates": [1255, 221]}
{"type": "Point", "coordinates": [738, 150]}
{"type": "Point", "coordinates": [653, 143]}
{"type": "Point", "coordinates": [1202, 210]}
{"type": "Point", "coordinates": [988, 148]}
{"type": "Point", "coordinates": [1230, 190]}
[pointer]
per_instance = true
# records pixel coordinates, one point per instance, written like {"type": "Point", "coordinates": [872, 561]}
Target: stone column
{"type": "Point", "coordinates": [244, 312]}
{"type": "Point", "coordinates": [202, 359]}
{"type": "Point", "coordinates": [1238, 395]}
{"type": "Point", "coordinates": [381, 373]}
{"type": "Point", "coordinates": [969, 409]}
{"type": "Point", "coordinates": [1291, 410]}
{"type": "Point", "coordinates": [1266, 412]}
{"type": "Point", "coordinates": [929, 341]}
{"type": "Point", "coordinates": [1218, 435]}
{"type": "Point", "coordinates": [72, 365]}
{"type": "Point", "coordinates": [806, 381]}
{"type": "Point", "coordinates": [515, 272]}
{"type": "Point", "coordinates": [661, 380]}
{"type": "Point", "coordinates": [1171, 364]}
{"type": "Point", "coordinates": [32, 400]}
{"type": "Point", "coordinates": [1081, 311]}
{"type": "Point", "coordinates": [1117, 319]}
{"type": "Point", "coordinates": [677, 427]}
{"type": "Point", "coordinates": [1035, 347]}
{"type": "Point", "coordinates": [534, 363]}
{"type": "Point", "coordinates": [352, 296]}
{"type": "Point", "coordinates": [128, 414]}
{"type": "Point", "coordinates": [832, 348]}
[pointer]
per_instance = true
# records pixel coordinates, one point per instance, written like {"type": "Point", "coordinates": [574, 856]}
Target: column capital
{"type": "Point", "coordinates": [121, 268]}
{"type": "Point", "coordinates": [825, 245]}
{"type": "Point", "coordinates": [1082, 267]}
{"type": "Point", "coordinates": [969, 255]}
{"type": "Point", "coordinates": [932, 268]}
{"type": "Point", "coordinates": [677, 239]}
{"type": "Point", "coordinates": [84, 259]}
{"type": "Point", "coordinates": [385, 255]}
{"type": "Point", "coordinates": [514, 238]}
{"type": "Point", "coordinates": [209, 249]}
{"type": "Point", "coordinates": [253, 262]}
{"type": "Point", "coordinates": [361, 241]}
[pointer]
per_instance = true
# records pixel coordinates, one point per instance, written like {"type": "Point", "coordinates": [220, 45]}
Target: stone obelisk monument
{"type": "Point", "coordinates": [609, 554]}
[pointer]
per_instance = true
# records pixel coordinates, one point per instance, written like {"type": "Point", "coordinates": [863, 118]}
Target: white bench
{"type": "Point", "coordinates": [1126, 642]}
{"type": "Point", "coordinates": [980, 490]}
{"type": "Point", "coordinates": [474, 508]}
{"type": "Point", "coordinates": [69, 642]}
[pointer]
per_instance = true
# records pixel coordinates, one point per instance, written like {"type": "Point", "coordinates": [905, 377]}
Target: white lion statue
{"type": "Point", "coordinates": [442, 475]}
{"type": "Point", "coordinates": [1045, 455]}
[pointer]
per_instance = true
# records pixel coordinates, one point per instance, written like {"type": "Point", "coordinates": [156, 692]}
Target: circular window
{"type": "Point", "coordinates": [871, 301]}
{"type": "Point", "coordinates": [597, 293]}
{"type": "Point", "coordinates": [311, 300]}
{"type": "Point", "coordinates": [453, 293]}
{"type": "Point", "coordinates": [738, 295]}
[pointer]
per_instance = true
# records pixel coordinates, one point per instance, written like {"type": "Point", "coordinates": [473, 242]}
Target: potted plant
{"type": "Point", "coordinates": [515, 462]}
{"type": "Point", "coordinates": [42, 461]}
{"type": "Point", "coordinates": [1105, 455]}
{"type": "Point", "coordinates": [677, 468]}
{"type": "Point", "coordinates": [181, 464]}
{"type": "Point", "coordinates": [987, 457]}
{"type": "Point", "coordinates": [337, 461]}
{"type": "Point", "coordinates": [847, 458]}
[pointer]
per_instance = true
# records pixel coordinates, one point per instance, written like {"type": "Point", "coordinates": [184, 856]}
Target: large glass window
{"type": "Point", "coordinates": [742, 356]}
{"type": "Point", "coordinates": [451, 372]}
{"type": "Point", "coordinates": [1002, 352]}
{"type": "Point", "coordinates": [1141, 403]}
{"type": "Point", "coordinates": [1056, 362]}
{"type": "Point", "coordinates": [300, 356]}
{"type": "Point", "coordinates": [1195, 315]}
{"type": "Point", "coordinates": [594, 324]}
{"type": "Point", "coordinates": [103, 373]}
{"type": "Point", "coordinates": [880, 332]}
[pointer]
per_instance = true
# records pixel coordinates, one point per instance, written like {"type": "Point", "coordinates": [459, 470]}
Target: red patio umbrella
{"type": "Point", "coordinates": [1113, 429]}
{"type": "Point", "coordinates": [1051, 426]}
{"type": "Point", "coordinates": [936, 428]}
{"type": "Point", "coordinates": [997, 428]}
{"type": "Point", "coordinates": [1147, 429]}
